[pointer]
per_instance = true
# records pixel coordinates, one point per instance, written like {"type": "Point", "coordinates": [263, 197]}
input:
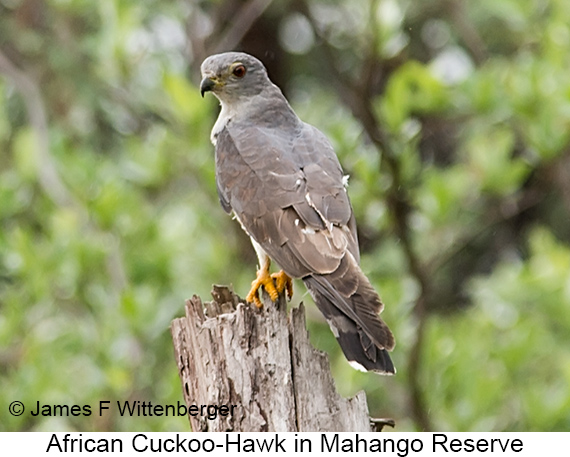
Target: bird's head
{"type": "Point", "coordinates": [232, 75]}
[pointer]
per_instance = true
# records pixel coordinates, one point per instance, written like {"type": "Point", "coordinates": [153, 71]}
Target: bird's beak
{"type": "Point", "coordinates": [207, 85]}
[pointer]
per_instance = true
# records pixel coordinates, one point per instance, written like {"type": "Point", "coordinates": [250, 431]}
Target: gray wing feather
{"type": "Point", "coordinates": [265, 179]}
{"type": "Point", "coordinates": [294, 163]}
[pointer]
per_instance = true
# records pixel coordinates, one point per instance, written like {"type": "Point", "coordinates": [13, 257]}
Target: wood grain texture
{"type": "Point", "coordinates": [261, 361]}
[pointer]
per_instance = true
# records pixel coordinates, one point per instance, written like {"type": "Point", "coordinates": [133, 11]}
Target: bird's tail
{"type": "Point", "coordinates": [351, 307]}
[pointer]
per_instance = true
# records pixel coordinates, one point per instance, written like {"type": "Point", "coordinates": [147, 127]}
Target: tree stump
{"type": "Point", "coordinates": [231, 353]}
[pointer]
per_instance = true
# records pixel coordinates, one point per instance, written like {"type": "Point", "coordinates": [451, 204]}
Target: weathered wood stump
{"type": "Point", "coordinates": [231, 353]}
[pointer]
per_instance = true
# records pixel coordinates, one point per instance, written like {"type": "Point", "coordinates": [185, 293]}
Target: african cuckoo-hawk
{"type": "Point", "coordinates": [283, 182]}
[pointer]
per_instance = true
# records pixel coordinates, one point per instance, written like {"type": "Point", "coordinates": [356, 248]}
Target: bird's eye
{"type": "Point", "coordinates": [239, 71]}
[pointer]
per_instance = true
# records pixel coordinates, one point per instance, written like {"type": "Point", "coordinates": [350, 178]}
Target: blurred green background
{"type": "Point", "coordinates": [451, 117]}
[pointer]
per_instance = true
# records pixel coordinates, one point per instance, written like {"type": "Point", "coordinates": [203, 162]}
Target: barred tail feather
{"type": "Point", "coordinates": [364, 338]}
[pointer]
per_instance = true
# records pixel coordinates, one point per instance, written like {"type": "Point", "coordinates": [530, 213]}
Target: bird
{"type": "Point", "coordinates": [281, 179]}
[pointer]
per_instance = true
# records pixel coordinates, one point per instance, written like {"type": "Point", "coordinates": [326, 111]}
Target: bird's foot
{"type": "Point", "coordinates": [263, 279]}
{"type": "Point", "coordinates": [282, 282]}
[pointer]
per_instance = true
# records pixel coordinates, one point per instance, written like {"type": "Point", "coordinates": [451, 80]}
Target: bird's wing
{"type": "Point", "coordinates": [287, 191]}
{"type": "Point", "coordinates": [287, 188]}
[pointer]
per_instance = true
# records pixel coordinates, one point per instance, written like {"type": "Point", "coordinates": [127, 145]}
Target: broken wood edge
{"type": "Point", "coordinates": [296, 374]}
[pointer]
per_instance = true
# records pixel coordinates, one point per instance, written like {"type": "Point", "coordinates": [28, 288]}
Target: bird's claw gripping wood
{"type": "Point", "coordinates": [273, 284]}
{"type": "Point", "coordinates": [283, 283]}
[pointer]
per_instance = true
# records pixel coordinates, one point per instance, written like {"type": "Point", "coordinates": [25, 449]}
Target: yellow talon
{"type": "Point", "coordinates": [263, 279]}
{"type": "Point", "coordinates": [282, 282]}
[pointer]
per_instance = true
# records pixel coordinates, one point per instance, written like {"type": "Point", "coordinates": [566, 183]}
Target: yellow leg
{"type": "Point", "coordinates": [282, 282]}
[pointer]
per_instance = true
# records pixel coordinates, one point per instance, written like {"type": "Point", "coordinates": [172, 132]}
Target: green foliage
{"type": "Point", "coordinates": [111, 221]}
{"type": "Point", "coordinates": [519, 376]}
{"type": "Point", "coordinates": [411, 91]}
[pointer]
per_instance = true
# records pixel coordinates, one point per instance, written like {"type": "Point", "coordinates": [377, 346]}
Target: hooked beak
{"type": "Point", "coordinates": [207, 85]}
